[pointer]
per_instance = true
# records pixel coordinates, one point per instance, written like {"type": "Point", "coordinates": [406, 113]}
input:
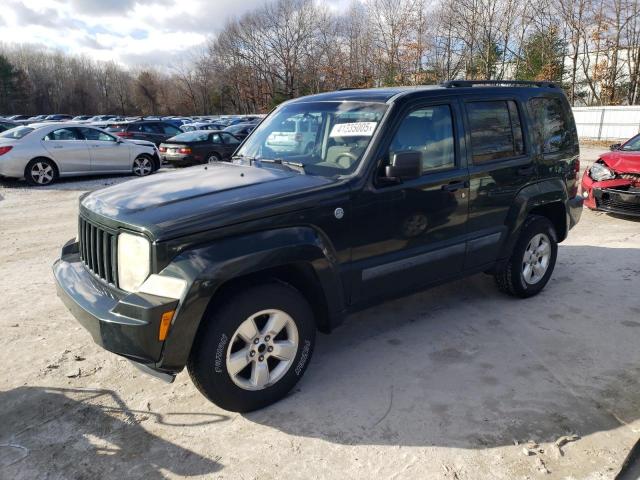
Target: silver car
{"type": "Point", "coordinates": [42, 152]}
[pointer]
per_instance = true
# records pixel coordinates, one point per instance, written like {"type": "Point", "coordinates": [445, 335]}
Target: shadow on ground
{"type": "Point", "coordinates": [463, 366]}
{"type": "Point", "coordinates": [84, 433]}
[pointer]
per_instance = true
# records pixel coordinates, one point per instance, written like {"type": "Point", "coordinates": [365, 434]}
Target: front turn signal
{"type": "Point", "coordinates": [165, 323]}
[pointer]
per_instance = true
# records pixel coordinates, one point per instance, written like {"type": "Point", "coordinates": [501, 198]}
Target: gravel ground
{"type": "Point", "coordinates": [458, 382]}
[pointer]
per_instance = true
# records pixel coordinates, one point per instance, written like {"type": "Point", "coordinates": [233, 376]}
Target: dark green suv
{"type": "Point", "coordinates": [230, 268]}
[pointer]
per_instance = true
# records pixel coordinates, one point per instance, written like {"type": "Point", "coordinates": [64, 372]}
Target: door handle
{"type": "Point", "coordinates": [453, 186]}
{"type": "Point", "coordinates": [528, 170]}
{"type": "Point", "coordinates": [58, 146]}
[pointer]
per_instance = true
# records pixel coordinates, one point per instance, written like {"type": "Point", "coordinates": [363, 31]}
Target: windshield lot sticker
{"type": "Point", "coordinates": [358, 129]}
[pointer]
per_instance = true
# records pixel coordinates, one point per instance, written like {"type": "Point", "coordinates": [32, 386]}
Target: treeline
{"type": "Point", "coordinates": [289, 48]}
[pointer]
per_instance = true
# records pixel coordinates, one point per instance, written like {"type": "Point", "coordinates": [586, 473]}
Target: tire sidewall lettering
{"type": "Point", "coordinates": [219, 362]}
{"type": "Point", "coordinates": [304, 356]}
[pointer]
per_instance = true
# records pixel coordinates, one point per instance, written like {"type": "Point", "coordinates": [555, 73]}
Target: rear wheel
{"type": "Point", "coordinates": [213, 157]}
{"type": "Point", "coordinates": [254, 348]}
{"type": "Point", "coordinates": [533, 259]}
{"type": "Point", "coordinates": [143, 166]}
{"type": "Point", "coordinates": [40, 172]}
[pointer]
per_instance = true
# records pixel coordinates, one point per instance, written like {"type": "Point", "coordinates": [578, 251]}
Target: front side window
{"type": "Point", "coordinates": [336, 136]}
{"type": "Point", "coordinates": [96, 135]}
{"type": "Point", "coordinates": [496, 131]}
{"type": "Point", "coordinates": [63, 134]}
{"type": "Point", "coordinates": [429, 131]}
{"type": "Point", "coordinates": [551, 124]}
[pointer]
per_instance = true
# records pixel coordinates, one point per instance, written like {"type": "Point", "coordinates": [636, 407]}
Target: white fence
{"type": "Point", "coordinates": [607, 123]}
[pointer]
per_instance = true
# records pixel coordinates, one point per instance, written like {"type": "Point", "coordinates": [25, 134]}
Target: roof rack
{"type": "Point", "coordinates": [471, 83]}
{"type": "Point", "coordinates": [348, 88]}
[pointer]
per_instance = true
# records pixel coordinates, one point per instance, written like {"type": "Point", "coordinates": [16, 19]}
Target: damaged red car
{"type": "Point", "coordinates": [612, 183]}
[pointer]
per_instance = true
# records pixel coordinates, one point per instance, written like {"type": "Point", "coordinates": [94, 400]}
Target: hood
{"type": "Point", "coordinates": [198, 198]}
{"type": "Point", "coordinates": [622, 162]}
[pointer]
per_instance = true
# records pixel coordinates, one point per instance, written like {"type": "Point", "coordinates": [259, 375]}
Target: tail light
{"type": "Point", "coordinates": [298, 137]}
{"type": "Point", "coordinates": [4, 150]}
{"type": "Point", "coordinates": [124, 134]}
{"type": "Point", "coordinates": [163, 149]}
{"type": "Point", "coordinates": [185, 150]}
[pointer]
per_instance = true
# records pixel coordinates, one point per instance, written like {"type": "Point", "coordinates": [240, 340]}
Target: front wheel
{"type": "Point", "coordinates": [143, 166]}
{"type": "Point", "coordinates": [533, 259]}
{"type": "Point", "coordinates": [253, 349]}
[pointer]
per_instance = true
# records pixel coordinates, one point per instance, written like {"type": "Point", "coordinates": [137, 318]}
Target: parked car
{"type": "Point", "coordinates": [16, 118]}
{"type": "Point", "coordinates": [151, 130]}
{"type": "Point", "coordinates": [612, 184]}
{"type": "Point", "coordinates": [58, 118]}
{"type": "Point", "coordinates": [192, 127]}
{"type": "Point", "coordinates": [296, 134]}
{"type": "Point", "coordinates": [229, 269]}
{"type": "Point", "coordinates": [7, 125]}
{"type": "Point", "coordinates": [34, 119]}
{"type": "Point", "coordinates": [241, 130]}
{"type": "Point", "coordinates": [42, 153]}
{"type": "Point", "coordinates": [81, 118]}
{"type": "Point", "coordinates": [200, 146]}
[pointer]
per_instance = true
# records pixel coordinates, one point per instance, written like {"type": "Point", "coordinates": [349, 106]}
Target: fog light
{"type": "Point", "coordinates": [165, 323]}
{"type": "Point", "coordinates": [585, 193]}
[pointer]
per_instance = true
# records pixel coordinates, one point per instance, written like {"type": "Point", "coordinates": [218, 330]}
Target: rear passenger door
{"type": "Point", "coordinates": [500, 164]}
{"type": "Point", "coordinates": [68, 149]}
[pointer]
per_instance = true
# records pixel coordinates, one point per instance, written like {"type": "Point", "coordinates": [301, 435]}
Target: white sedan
{"type": "Point", "coordinates": [40, 153]}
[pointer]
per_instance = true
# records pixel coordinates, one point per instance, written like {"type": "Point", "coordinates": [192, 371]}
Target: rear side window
{"type": "Point", "coordinates": [496, 131]}
{"type": "Point", "coordinates": [551, 124]}
{"type": "Point", "coordinates": [63, 134]}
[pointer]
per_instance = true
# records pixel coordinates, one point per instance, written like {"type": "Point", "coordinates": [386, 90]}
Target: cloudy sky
{"type": "Point", "coordinates": [131, 32]}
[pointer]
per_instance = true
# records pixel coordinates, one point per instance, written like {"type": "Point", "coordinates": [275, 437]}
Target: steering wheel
{"type": "Point", "coordinates": [348, 155]}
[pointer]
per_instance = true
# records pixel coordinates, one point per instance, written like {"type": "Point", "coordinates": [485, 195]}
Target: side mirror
{"type": "Point", "coordinates": [405, 165]}
{"type": "Point", "coordinates": [615, 146]}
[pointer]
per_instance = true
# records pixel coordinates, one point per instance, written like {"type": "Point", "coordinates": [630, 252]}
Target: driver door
{"type": "Point", "coordinates": [409, 234]}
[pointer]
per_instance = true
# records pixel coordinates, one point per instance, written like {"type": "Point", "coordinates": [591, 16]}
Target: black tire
{"type": "Point", "coordinates": [143, 165]}
{"type": "Point", "coordinates": [212, 157]}
{"type": "Point", "coordinates": [45, 165]}
{"type": "Point", "coordinates": [207, 363]}
{"type": "Point", "coordinates": [509, 277]}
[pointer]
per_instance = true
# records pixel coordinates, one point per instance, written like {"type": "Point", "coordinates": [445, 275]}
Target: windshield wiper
{"type": "Point", "coordinates": [294, 166]}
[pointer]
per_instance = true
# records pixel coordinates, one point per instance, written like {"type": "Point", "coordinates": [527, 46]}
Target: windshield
{"type": "Point", "coordinates": [191, 137]}
{"type": "Point", "coordinates": [326, 138]}
{"type": "Point", "coordinates": [16, 133]}
{"type": "Point", "coordinates": [632, 145]}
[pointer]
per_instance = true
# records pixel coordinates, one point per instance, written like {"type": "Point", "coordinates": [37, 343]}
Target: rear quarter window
{"type": "Point", "coordinates": [496, 130]}
{"type": "Point", "coordinates": [552, 126]}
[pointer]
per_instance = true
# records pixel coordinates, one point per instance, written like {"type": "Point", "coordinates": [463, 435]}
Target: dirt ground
{"type": "Point", "coordinates": [452, 383]}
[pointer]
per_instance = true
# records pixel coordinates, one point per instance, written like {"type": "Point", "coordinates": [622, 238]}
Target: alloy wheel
{"type": "Point", "coordinates": [262, 349]}
{"type": "Point", "coordinates": [536, 259]}
{"type": "Point", "coordinates": [142, 166]}
{"type": "Point", "coordinates": [42, 173]}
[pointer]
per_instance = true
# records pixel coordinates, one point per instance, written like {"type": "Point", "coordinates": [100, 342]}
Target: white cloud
{"type": "Point", "coordinates": [130, 32]}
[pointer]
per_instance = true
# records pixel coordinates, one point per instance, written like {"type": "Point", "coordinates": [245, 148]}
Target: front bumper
{"type": "Point", "coordinates": [614, 196]}
{"type": "Point", "coordinates": [123, 323]}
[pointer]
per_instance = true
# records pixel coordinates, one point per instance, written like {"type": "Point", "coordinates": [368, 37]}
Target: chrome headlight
{"type": "Point", "coordinates": [134, 260]}
{"type": "Point", "coordinates": [600, 172]}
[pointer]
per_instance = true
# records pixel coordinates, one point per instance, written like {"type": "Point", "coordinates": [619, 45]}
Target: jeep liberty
{"type": "Point", "coordinates": [230, 269]}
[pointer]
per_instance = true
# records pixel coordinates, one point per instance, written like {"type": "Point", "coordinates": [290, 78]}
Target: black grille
{"type": "Point", "coordinates": [610, 200]}
{"type": "Point", "coordinates": [98, 250]}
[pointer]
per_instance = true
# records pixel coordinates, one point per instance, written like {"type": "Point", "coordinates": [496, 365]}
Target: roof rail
{"type": "Point", "coordinates": [471, 83]}
{"type": "Point", "coordinates": [347, 88]}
